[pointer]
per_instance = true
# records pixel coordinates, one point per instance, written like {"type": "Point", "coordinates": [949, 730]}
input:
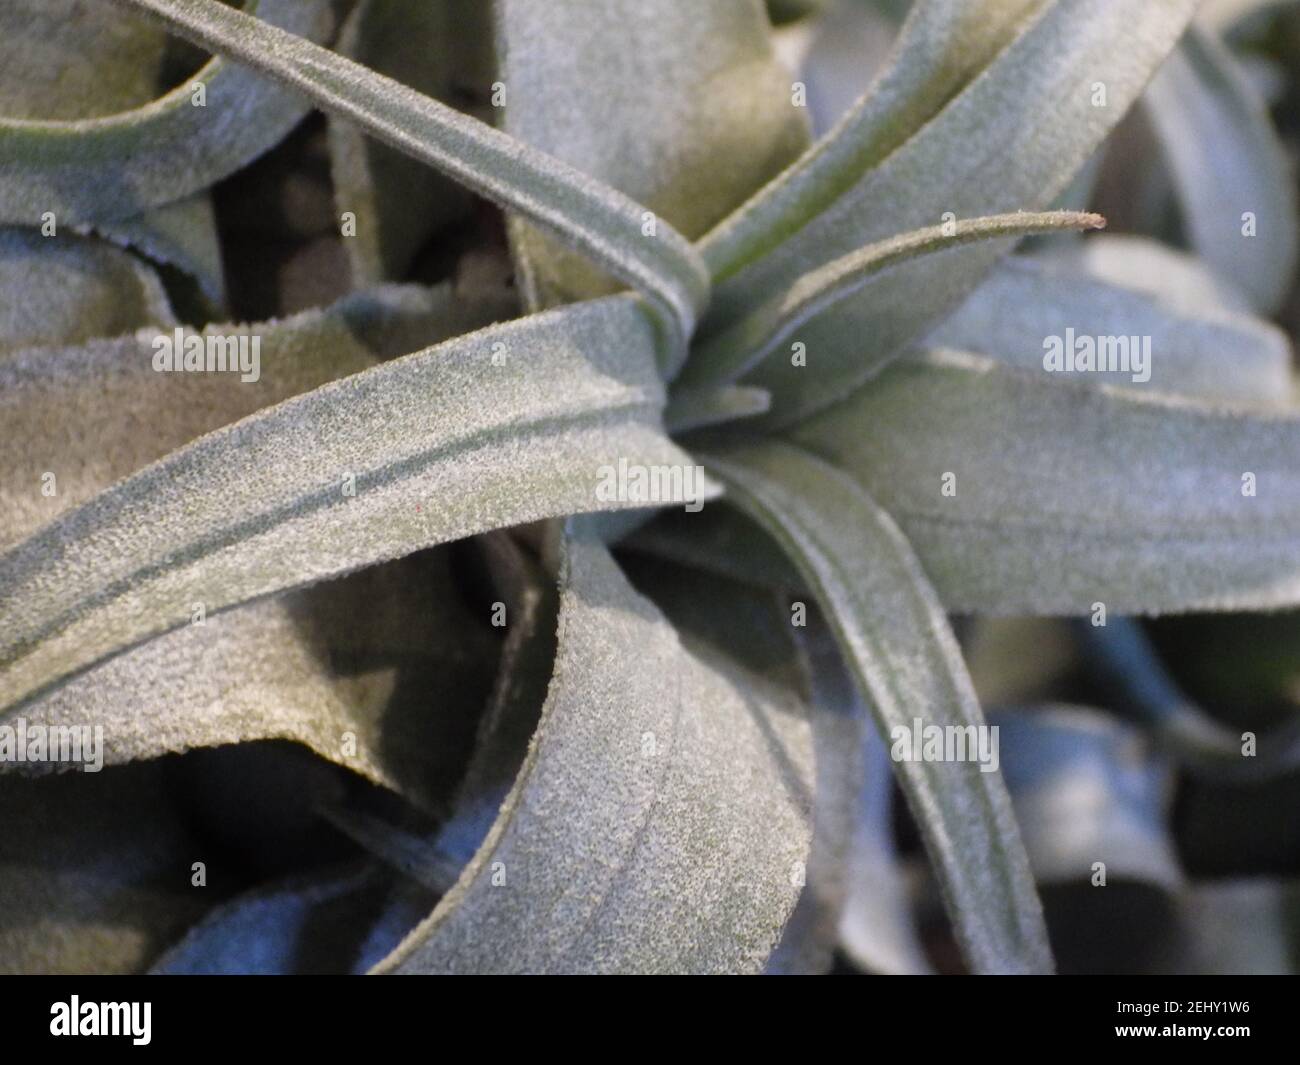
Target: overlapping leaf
{"type": "Point", "coordinates": [907, 665]}
{"type": "Point", "coordinates": [1011, 139]}
{"type": "Point", "coordinates": [1066, 494]}
{"type": "Point", "coordinates": [64, 290]}
{"type": "Point", "coordinates": [119, 165]}
{"type": "Point", "coordinates": [628, 786]}
{"type": "Point", "coordinates": [566, 203]}
{"type": "Point", "coordinates": [1206, 352]}
{"type": "Point", "coordinates": [371, 467]}
{"type": "Point", "coordinates": [695, 114]}
{"type": "Point", "coordinates": [1233, 177]}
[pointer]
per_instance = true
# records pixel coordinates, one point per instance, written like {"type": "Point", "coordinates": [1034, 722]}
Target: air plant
{"type": "Point", "coordinates": [605, 561]}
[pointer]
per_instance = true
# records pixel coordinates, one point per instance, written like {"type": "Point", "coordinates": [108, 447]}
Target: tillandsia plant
{"type": "Point", "coordinates": [521, 515]}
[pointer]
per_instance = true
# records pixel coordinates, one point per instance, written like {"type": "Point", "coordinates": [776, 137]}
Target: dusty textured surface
{"type": "Point", "coordinates": [268, 503]}
{"type": "Point", "coordinates": [118, 165]}
{"type": "Point", "coordinates": [680, 105]}
{"type": "Point", "coordinates": [1010, 140]}
{"type": "Point", "coordinates": [1069, 494]}
{"type": "Point", "coordinates": [902, 653]}
{"type": "Point", "coordinates": [616, 860]}
{"type": "Point", "coordinates": [78, 412]}
{"type": "Point", "coordinates": [66, 289]}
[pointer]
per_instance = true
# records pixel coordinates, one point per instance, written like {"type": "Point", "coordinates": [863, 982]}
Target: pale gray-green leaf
{"type": "Point", "coordinates": [658, 820]}
{"type": "Point", "coordinates": [943, 44]}
{"type": "Point", "coordinates": [1234, 180]}
{"type": "Point", "coordinates": [694, 114]}
{"type": "Point", "coordinates": [699, 408]}
{"type": "Point", "coordinates": [382, 672]}
{"type": "Point", "coordinates": [1207, 352]}
{"type": "Point", "coordinates": [429, 448]}
{"type": "Point", "coordinates": [1012, 139]}
{"type": "Point", "coordinates": [182, 234]}
{"type": "Point", "coordinates": [1065, 494]}
{"type": "Point", "coordinates": [905, 659]}
{"type": "Point", "coordinates": [1087, 788]}
{"type": "Point", "coordinates": [578, 209]}
{"type": "Point", "coordinates": [68, 289]}
{"type": "Point", "coordinates": [77, 412]}
{"type": "Point", "coordinates": [731, 353]}
{"type": "Point", "coordinates": [122, 164]}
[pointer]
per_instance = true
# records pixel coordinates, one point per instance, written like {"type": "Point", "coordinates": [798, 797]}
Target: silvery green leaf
{"type": "Point", "coordinates": [1207, 352]}
{"type": "Point", "coordinates": [837, 55]}
{"type": "Point", "coordinates": [182, 234]}
{"type": "Point", "coordinates": [67, 289]}
{"type": "Point", "coordinates": [1064, 495]}
{"type": "Point", "coordinates": [94, 871]}
{"type": "Point", "coordinates": [695, 114]}
{"type": "Point", "coordinates": [1234, 180]}
{"type": "Point", "coordinates": [1086, 789]}
{"type": "Point", "coordinates": [90, 169]}
{"type": "Point", "coordinates": [371, 467]}
{"type": "Point", "coordinates": [904, 657]}
{"type": "Point", "coordinates": [76, 59]}
{"type": "Point", "coordinates": [855, 897]}
{"type": "Point", "coordinates": [942, 45]}
{"type": "Point", "coordinates": [76, 412]}
{"type": "Point", "coordinates": [597, 861]}
{"type": "Point", "coordinates": [1012, 139]}
{"type": "Point", "coordinates": [571, 206]}
{"type": "Point", "coordinates": [728, 355]}
{"type": "Point", "coordinates": [396, 202]}
{"type": "Point", "coordinates": [301, 667]}
{"type": "Point", "coordinates": [382, 672]}
{"type": "Point", "coordinates": [754, 627]}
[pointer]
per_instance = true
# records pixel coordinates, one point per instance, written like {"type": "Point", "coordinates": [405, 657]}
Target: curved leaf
{"type": "Point", "coordinates": [1228, 166]}
{"type": "Point", "coordinates": [1012, 139]}
{"type": "Point", "coordinates": [65, 290]}
{"type": "Point", "coordinates": [649, 829]}
{"type": "Point", "coordinates": [76, 412]}
{"type": "Point", "coordinates": [727, 356]}
{"type": "Point", "coordinates": [1086, 789]}
{"type": "Point", "coordinates": [182, 234]}
{"type": "Point", "coordinates": [372, 467]}
{"type": "Point", "coordinates": [1124, 656]}
{"type": "Point", "coordinates": [579, 210]}
{"type": "Point", "coordinates": [695, 113]}
{"type": "Point", "coordinates": [906, 662]}
{"type": "Point", "coordinates": [1207, 352]}
{"type": "Point", "coordinates": [1067, 494]}
{"type": "Point", "coordinates": [119, 165]}
{"type": "Point", "coordinates": [382, 672]}
{"type": "Point", "coordinates": [942, 45]}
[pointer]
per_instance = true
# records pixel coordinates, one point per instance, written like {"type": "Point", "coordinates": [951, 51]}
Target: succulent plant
{"type": "Point", "coordinates": [556, 576]}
